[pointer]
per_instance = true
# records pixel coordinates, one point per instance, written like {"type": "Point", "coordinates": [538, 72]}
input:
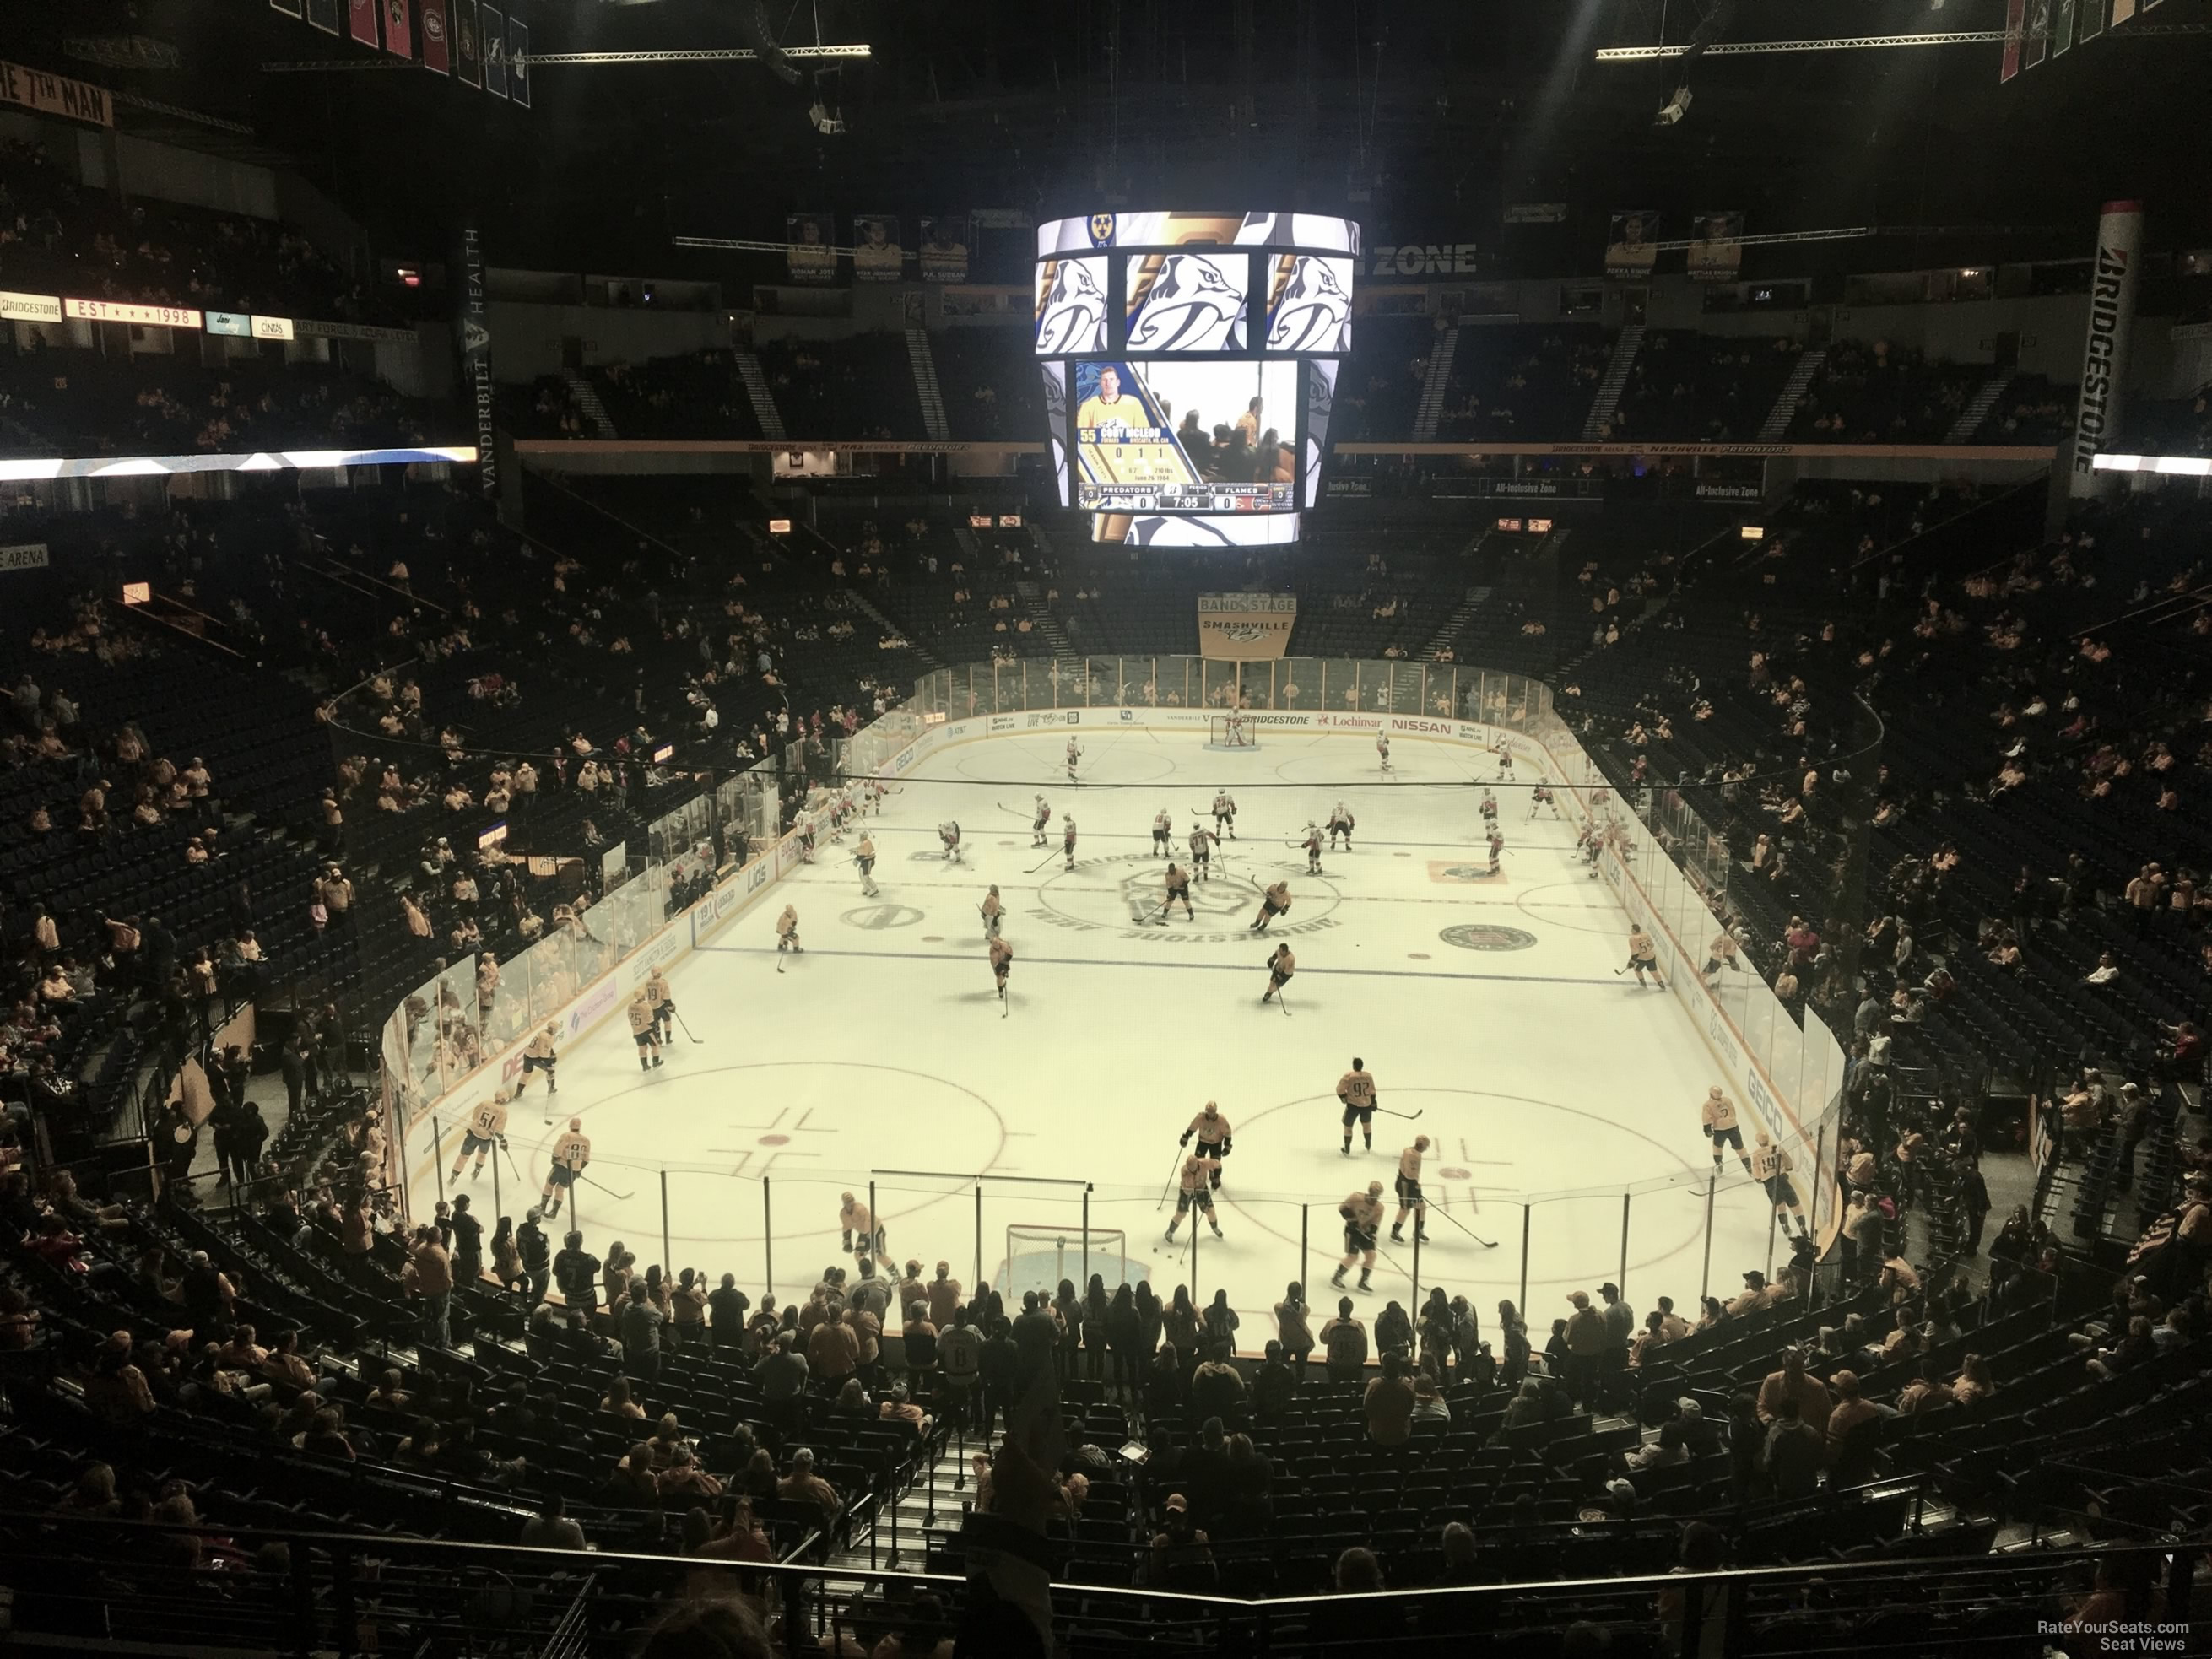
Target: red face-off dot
{"type": "Point", "coordinates": [776, 1141]}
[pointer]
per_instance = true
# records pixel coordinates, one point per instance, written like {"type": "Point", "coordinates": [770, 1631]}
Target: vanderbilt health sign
{"type": "Point", "coordinates": [1243, 627]}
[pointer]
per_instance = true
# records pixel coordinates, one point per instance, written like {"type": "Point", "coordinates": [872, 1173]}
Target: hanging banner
{"type": "Point", "coordinates": [809, 245]}
{"type": "Point", "coordinates": [492, 28]}
{"type": "Point", "coordinates": [943, 248]}
{"type": "Point", "coordinates": [398, 29]}
{"type": "Point", "coordinates": [2015, 22]}
{"type": "Point", "coordinates": [2037, 40]}
{"type": "Point", "coordinates": [1717, 247]}
{"type": "Point", "coordinates": [437, 50]}
{"type": "Point", "coordinates": [56, 95]}
{"type": "Point", "coordinates": [2122, 11]}
{"type": "Point", "coordinates": [476, 353]}
{"type": "Point", "coordinates": [324, 14]}
{"type": "Point", "coordinates": [1245, 627]}
{"type": "Point", "coordinates": [1631, 243]}
{"type": "Point", "coordinates": [518, 59]}
{"type": "Point", "coordinates": [877, 255]}
{"type": "Point", "coordinates": [2105, 353]}
{"type": "Point", "coordinates": [290, 8]}
{"type": "Point", "coordinates": [468, 42]}
{"type": "Point", "coordinates": [360, 20]}
{"type": "Point", "coordinates": [2092, 14]}
{"type": "Point", "coordinates": [2061, 34]}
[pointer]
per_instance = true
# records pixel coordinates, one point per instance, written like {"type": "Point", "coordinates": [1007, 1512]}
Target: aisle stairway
{"type": "Point", "coordinates": [588, 399]}
{"type": "Point", "coordinates": [1434, 384]}
{"type": "Point", "coordinates": [758, 394]}
{"type": "Point", "coordinates": [1978, 409]}
{"type": "Point", "coordinates": [1776, 427]}
{"type": "Point", "coordinates": [926, 387]}
{"type": "Point", "coordinates": [1609, 389]}
{"type": "Point", "coordinates": [1047, 625]}
{"type": "Point", "coordinates": [1461, 614]}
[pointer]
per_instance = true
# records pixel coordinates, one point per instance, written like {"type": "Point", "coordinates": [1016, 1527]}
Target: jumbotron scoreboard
{"type": "Point", "coordinates": [1189, 364]}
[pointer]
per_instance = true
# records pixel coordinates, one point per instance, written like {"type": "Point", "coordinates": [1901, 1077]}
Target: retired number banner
{"type": "Point", "coordinates": [1245, 627]}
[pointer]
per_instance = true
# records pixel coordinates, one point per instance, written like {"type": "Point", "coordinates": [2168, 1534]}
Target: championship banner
{"type": "Point", "coordinates": [398, 29]}
{"type": "Point", "coordinates": [56, 95]}
{"type": "Point", "coordinates": [1245, 627]}
{"type": "Point", "coordinates": [1716, 248]}
{"type": "Point", "coordinates": [2122, 11]}
{"type": "Point", "coordinates": [492, 29]}
{"type": "Point", "coordinates": [290, 8]}
{"type": "Point", "coordinates": [468, 42]}
{"type": "Point", "coordinates": [2037, 42]}
{"type": "Point", "coordinates": [2015, 22]}
{"type": "Point", "coordinates": [518, 59]}
{"type": "Point", "coordinates": [943, 248]}
{"type": "Point", "coordinates": [2092, 14]}
{"type": "Point", "coordinates": [808, 247]}
{"type": "Point", "coordinates": [2062, 35]}
{"type": "Point", "coordinates": [2112, 278]}
{"type": "Point", "coordinates": [437, 50]}
{"type": "Point", "coordinates": [324, 14]}
{"type": "Point", "coordinates": [877, 255]}
{"type": "Point", "coordinates": [476, 353]}
{"type": "Point", "coordinates": [360, 20]}
{"type": "Point", "coordinates": [1631, 243]}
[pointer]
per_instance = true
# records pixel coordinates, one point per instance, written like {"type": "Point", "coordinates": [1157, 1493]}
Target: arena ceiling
{"type": "Point", "coordinates": [1423, 119]}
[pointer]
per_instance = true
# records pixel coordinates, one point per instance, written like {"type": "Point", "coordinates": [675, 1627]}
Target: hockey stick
{"type": "Point", "coordinates": [1488, 1245]}
{"type": "Point", "coordinates": [1409, 1116]}
{"type": "Point", "coordinates": [1045, 859]}
{"type": "Point", "coordinates": [1168, 1186]}
{"type": "Point", "coordinates": [619, 1197]}
{"type": "Point", "coordinates": [1003, 807]}
{"type": "Point", "coordinates": [687, 1029]}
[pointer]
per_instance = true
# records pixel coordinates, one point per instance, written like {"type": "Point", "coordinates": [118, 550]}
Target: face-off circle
{"type": "Point", "coordinates": [1487, 936]}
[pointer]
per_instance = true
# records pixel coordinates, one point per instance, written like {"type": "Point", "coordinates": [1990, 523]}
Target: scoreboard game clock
{"type": "Point", "coordinates": [1190, 363]}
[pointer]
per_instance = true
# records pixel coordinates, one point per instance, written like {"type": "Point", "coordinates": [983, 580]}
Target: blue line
{"type": "Point", "coordinates": [1172, 962]}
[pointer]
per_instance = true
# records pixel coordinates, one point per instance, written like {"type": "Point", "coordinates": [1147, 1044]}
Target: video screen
{"type": "Point", "coordinates": [1187, 301]}
{"type": "Point", "coordinates": [1309, 303]}
{"type": "Point", "coordinates": [1156, 436]}
{"type": "Point", "coordinates": [1071, 305]}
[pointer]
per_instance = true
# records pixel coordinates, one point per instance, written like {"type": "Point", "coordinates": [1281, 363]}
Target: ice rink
{"type": "Point", "coordinates": [1491, 1006]}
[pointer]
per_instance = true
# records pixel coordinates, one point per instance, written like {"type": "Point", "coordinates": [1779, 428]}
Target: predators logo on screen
{"type": "Point", "coordinates": [1311, 309]}
{"type": "Point", "coordinates": [1187, 302]}
{"type": "Point", "coordinates": [1070, 313]}
{"type": "Point", "coordinates": [1101, 230]}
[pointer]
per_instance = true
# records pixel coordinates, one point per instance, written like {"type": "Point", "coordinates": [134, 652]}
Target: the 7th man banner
{"type": "Point", "coordinates": [1245, 627]}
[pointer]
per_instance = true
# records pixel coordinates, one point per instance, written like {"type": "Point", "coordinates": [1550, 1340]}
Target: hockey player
{"type": "Point", "coordinates": [645, 1029]}
{"type": "Point", "coordinates": [1275, 901]}
{"type": "Point", "coordinates": [1489, 808]}
{"type": "Point", "coordinates": [1002, 963]}
{"type": "Point", "coordinates": [1074, 753]}
{"type": "Point", "coordinates": [1068, 840]}
{"type": "Point", "coordinates": [1163, 832]}
{"type": "Point", "coordinates": [486, 1128]}
{"type": "Point", "coordinates": [1312, 844]}
{"type": "Point", "coordinates": [804, 825]}
{"type": "Point", "coordinates": [1717, 1113]}
{"type": "Point", "coordinates": [864, 1237]}
{"type": "Point", "coordinates": [1643, 956]}
{"type": "Point", "coordinates": [786, 935]}
{"type": "Point", "coordinates": [571, 1152]}
{"type": "Point", "coordinates": [1771, 1167]}
{"type": "Point", "coordinates": [949, 833]}
{"type": "Point", "coordinates": [864, 856]}
{"type": "Point", "coordinates": [1382, 750]}
{"type": "Point", "coordinates": [1504, 760]}
{"type": "Point", "coordinates": [1720, 958]}
{"type": "Point", "coordinates": [1195, 1191]}
{"type": "Point", "coordinates": [1225, 814]}
{"type": "Point", "coordinates": [1411, 1201]}
{"type": "Point", "coordinates": [662, 999]}
{"type": "Point", "coordinates": [539, 1056]}
{"type": "Point", "coordinates": [1212, 1132]}
{"type": "Point", "coordinates": [1362, 1220]}
{"type": "Point", "coordinates": [1178, 886]}
{"type": "Point", "coordinates": [1497, 848]}
{"type": "Point", "coordinates": [1202, 842]}
{"type": "Point", "coordinates": [991, 909]}
{"type": "Point", "coordinates": [1355, 1089]}
{"type": "Point", "coordinates": [1041, 823]}
{"type": "Point", "coordinates": [1541, 796]}
{"type": "Point", "coordinates": [1339, 823]}
{"type": "Point", "coordinates": [1280, 967]}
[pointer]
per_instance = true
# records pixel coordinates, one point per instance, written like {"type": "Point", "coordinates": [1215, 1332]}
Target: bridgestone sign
{"type": "Point", "coordinates": [2104, 351]}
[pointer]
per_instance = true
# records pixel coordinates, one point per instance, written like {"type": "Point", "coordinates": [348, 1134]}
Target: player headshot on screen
{"type": "Point", "coordinates": [1633, 251]}
{"type": "Point", "coordinates": [1107, 407]}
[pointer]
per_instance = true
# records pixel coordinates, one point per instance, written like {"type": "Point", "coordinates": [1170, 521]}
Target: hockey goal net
{"type": "Point", "coordinates": [1038, 1258]}
{"type": "Point", "coordinates": [1232, 732]}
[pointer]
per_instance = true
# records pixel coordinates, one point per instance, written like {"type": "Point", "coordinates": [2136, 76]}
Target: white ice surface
{"type": "Point", "coordinates": [1537, 1071]}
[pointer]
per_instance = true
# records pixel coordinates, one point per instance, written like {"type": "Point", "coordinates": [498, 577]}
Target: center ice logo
{"type": "Point", "coordinates": [1143, 890]}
